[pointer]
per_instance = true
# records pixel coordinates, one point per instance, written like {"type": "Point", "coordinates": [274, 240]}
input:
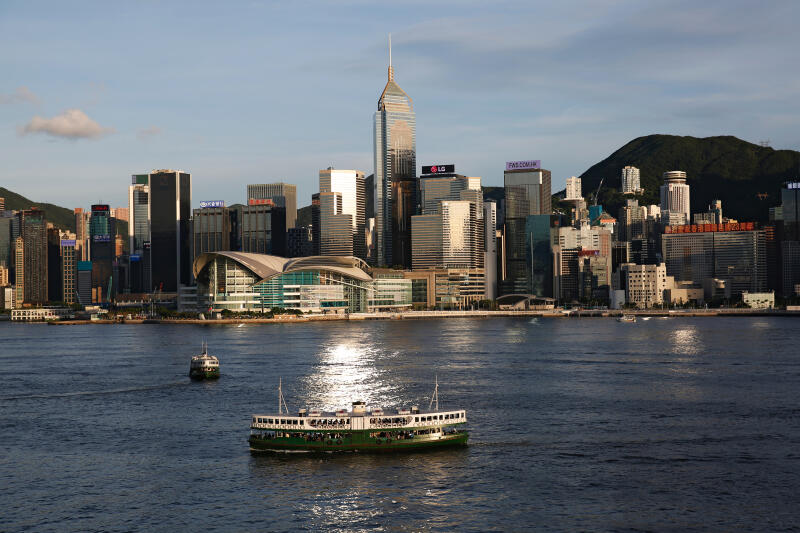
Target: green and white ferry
{"type": "Point", "coordinates": [204, 366]}
{"type": "Point", "coordinates": [360, 429]}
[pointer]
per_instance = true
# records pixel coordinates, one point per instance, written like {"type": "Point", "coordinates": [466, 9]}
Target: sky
{"type": "Point", "coordinates": [262, 91]}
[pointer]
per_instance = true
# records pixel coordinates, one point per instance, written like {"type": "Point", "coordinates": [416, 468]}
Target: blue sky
{"type": "Point", "coordinates": [237, 93]}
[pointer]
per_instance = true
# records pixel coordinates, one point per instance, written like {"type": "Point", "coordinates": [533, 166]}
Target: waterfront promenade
{"type": "Point", "coordinates": [422, 315]}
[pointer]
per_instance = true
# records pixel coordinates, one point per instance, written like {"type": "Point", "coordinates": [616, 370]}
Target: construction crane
{"type": "Point", "coordinates": [597, 192]}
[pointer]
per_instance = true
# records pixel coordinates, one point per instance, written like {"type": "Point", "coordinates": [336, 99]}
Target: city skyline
{"type": "Point", "coordinates": [519, 95]}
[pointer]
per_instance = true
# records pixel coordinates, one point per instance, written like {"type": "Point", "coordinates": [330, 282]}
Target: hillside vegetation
{"type": "Point", "coordinates": [745, 176]}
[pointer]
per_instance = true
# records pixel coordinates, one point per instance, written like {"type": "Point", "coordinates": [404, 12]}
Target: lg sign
{"type": "Point", "coordinates": [439, 169]}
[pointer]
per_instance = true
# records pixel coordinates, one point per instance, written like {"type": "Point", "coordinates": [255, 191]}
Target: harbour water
{"type": "Point", "coordinates": [576, 424]}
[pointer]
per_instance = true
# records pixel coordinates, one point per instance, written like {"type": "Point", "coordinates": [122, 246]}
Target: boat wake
{"type": "Point", "coordinates": [94, 393]}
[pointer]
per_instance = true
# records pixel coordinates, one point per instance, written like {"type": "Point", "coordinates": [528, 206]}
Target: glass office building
{"type": "Point", "coordinates": [527, 193]}
{"type": "Point", "coordinates": [395, 162]}
{"type": "Point", "coordinates": [350, 185]}
{"type": "Point", "coordinates": [738, 256]}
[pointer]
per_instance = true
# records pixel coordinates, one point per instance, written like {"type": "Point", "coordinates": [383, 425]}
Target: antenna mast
{"type": "Point", "coordinates": [435, 397]}
{"type": "Point", "coordinates": [281, 401]}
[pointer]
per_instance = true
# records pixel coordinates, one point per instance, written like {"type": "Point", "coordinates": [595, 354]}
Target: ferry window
{"type": "Point", "coordinates": [416, 419]}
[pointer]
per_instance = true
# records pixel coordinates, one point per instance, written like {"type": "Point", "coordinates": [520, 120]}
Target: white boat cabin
{"type": "Point", "coordinates": [360, 418]}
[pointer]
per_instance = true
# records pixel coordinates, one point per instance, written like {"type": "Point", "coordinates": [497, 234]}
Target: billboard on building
{"type": "Point", "coordinates": [439, 169]}
{"type": "Point", "coordinates": [260, 201]}
{"type": "Point", "coordinates": [532, 164]}
{"type": "Point", "coordinates": [66, 243]}
{"type": "Point", "coordinates": [212, 203]}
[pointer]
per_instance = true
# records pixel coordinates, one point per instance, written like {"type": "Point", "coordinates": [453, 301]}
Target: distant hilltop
{"type": "Point", "coordinates": [60, 217]}
{"type": "Point", "coordinates": [747, 177]}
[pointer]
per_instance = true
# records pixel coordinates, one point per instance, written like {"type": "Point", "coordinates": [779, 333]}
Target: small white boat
{"type": "Point", "coordinates": [626, 318]}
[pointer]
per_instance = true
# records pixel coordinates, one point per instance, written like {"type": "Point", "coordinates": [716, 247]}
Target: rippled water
{"type": "Point", "coordinates": [576, 424]}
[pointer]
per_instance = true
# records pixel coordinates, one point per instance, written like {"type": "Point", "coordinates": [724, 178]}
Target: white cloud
{"type": "Point", "coordinates": [71, 124]}
{"type": "Point", "coordinates": [148, 133]}
{"type": "Point", "coordinates": [21, 94]}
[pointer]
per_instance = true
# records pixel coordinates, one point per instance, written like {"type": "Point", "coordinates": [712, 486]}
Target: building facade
{"type": "Point", "coordinates": [631, 183]}
{"type": "Point", "coordinates": [527, 192]}
{"type": "Point", "coordinates": [170, 197]}
{"type": "Point", "coordinates": [102, 231]}
{"type": "Point", "coordinates": [573, 190]}
{"type": "Point", "coordinates": [674, 192]}
{"type": "Point", "coordinates": [395, 159]}
{"type": "Point", "coordinates": [211, 229]}
{"type": "Point", "coordinates": [451, 238]}
{"type": "Point", "coordinates": [735, 253]}
{"type": "Point", "coordinates": [33, 225]}
{"type": "Point", "coordinates": [281, 194]}
{"type": "Point", "coordinates": [239, 281]}
{"type": "Point", "coordinates": [644, 285]}
{"type": "Point", "coordinates": [350, 185]}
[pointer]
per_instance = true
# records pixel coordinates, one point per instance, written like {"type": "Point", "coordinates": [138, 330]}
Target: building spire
{"type": "Point", "coordinates": [391, 70]}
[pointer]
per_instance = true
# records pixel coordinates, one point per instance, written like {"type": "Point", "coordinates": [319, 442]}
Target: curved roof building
{"type": "Point", "coordinates": [241, 281]}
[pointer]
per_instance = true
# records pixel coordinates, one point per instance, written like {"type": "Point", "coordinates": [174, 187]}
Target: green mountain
{"type": "Point", "coordinates": [60, 217]}
{"type": "Point", "coordinates": [745, 176]}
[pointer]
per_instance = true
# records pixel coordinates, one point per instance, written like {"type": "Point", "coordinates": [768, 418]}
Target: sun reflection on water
{"type": "Point", "coordinates": [347, 372]}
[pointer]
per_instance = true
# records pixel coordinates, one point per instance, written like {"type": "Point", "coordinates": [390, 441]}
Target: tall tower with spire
{"type": "Point", "coordinates": [395, 152]}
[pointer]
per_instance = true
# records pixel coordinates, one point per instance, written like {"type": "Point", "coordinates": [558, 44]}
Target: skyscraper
{"type": "Point", "coordinates": [395, 157]}
{"type": "Point", "coordinates": [527, 190]}
{"type": "Point", "coordinates": [447, 238]}
{"type": "Point", "coordinates": [675, 199]}
{"type": "Point", "coordinates": [170, 195]}
{"type": "Point", "coordinates": [139, 232]}
{"type": "Point", "coordinates": [336, 227]}
{"type": "Point", "coordinates": [102, 230]}
{"type": "Point", "coordinates": [630, 180]}
{"type": "Point", "coordinates": [33, 227]}
{"type": "Point", "coordinates": [282, 195]}
{"type": "Point", "coordinates": [82, 232]}
{"type": "Point", "coordinates": [350, 184]}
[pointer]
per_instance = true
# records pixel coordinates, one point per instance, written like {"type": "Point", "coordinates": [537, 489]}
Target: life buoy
{"type": "Point", "coordinates": [329, 442]}
{"type": "Point", "coordinates": [338, 442]}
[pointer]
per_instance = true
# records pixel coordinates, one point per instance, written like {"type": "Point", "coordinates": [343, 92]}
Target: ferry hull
{"type": "Point", "coordinates": [354, 444]}
{"type": "Point", "coordinates": [204, 374]}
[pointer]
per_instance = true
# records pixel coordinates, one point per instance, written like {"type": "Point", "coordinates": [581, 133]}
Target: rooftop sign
{"type": "Point", "coordinates": [212, 203]}
{"type": "Point", "coordinates": [524, 165]}
{"type": "Point", "coordinates": [705, 228]}
{"type": "Point", "coordinates": [439, 169]}
{"type": "Point", "coordinates": [261, 201]}
{"type": "Point", "coordinates": [65, 243]}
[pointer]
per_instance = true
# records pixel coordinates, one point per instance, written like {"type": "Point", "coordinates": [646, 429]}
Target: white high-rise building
{"type": "Point", "coordinates": [574, 189]}
{"type": "Point", "coordinates": [350, 184]}
{"type": "Point", "coordinates": [675, 198]}
{"type": "Point", "coordinates": [630, 180]}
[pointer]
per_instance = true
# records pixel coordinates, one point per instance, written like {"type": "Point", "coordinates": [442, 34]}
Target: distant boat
{"type": "Point", "coordinates": [646, 318]}
{"type": "Point", "coordinates": [626, 318]}
{"type": "Point", "coordinates": [204, 366]}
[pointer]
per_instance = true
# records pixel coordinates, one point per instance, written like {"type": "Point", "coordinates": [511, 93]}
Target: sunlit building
{"type": "Point", "coordinates": [349, 186]}
{"type": "Point", "coordinates": [675, 199]}
{"type": "Point", "coordinates": [395, 158]}
{"type": "Point", "coordinates": [630, 180]}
